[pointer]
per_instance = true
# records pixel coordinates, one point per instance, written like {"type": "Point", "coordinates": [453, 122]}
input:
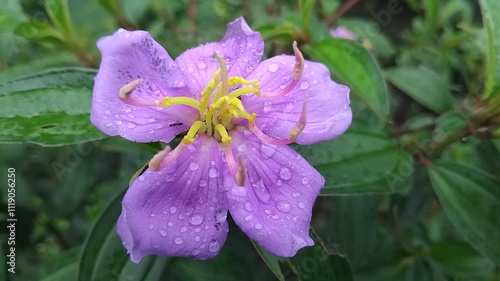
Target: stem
{"type": "Point", "coordinates": [329, 21]}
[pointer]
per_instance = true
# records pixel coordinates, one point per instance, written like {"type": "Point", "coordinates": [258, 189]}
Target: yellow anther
{"type": "Point", "coordinates": [243, 91]}
{"type": "Point", "coordinates": [225, 138]}
{"type": "Point", "coordinates": [205, 94]}
{"type": "Point", "coordinates": [167, 101]}
{"type": "Point", "coordinates": [197, 127]}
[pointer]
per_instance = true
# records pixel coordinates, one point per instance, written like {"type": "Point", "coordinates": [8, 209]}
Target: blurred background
{"type": "Point", "coordinates": [412, 188]}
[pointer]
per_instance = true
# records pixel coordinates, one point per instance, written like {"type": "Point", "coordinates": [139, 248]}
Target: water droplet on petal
{"type": "Point", "coordinates": [190, 69]}
{"type": "Point", "coordinates": [302, 205]}
{"type": "Point", "coordinates": [248, 217]}
{"type": "Point", "coordinates": [202, 65]}
{"type": "Point", "coordinates": [214, 246]}
{"type": "Point", "coordinates": [193, 166]}
{"type": "Point", "coordinates": [173, 210]}
{"type": "Point", "coordinates": [304, 85]}
{"type": "Point", "coordinates": [279, 182]}
{"type": "Point", "coordinates": [196, 219]}
{"type": "Point", "coordinates": [268, 106]}
{"type": "Point", "coordinates": [285, 173]}
{"type": "Point", "coordinates": [169, 177]}
{"type": "Point", "coordinates": [119, 123]}
{"type": "Point", "coordinates": [273, 67]}
{"type": "Point", "coordinates": [183, 229]}
{"type": "Point", "coordinates": [178, 241]}
{"type": "Point", "coordinates": [259, 236]}
{"type": "Point", "coordinates": [258, 226]}
{"type": "Point", "coordinates": [197, 238]}
{"type": "Point", "coordinates": [239, 191]}
{"type": "Point", "coordinates": [248, 69]}
{"type": "Point", "coordinates": [242, 147]}
{"type": "Point", "coordinates": [296, 194]}
{"type": "Point", "coordinates": [284, 206]}
{"type": "Point", "coordinates": [153, 215]}
{"type": "Point", "coordinates": [275, 217]}
{"type": "Point", "coordinates": [162, 232]}
{"type": "Point", "coordinates": [203, 183]}
{"type": "Point", "coordinates": [248, 206]}
{"type": "Point", "coordinates": [261, 191]}
{"type": "Point", "coordinates": [130, 125]}
{"type": "Point", "coordinates": [151, 226]}
{"type": "Point", "coordinates": [305, 180]}
{"type": "Point", "coordinates": [213, 173]}
{"type": "Point", "coordinates": [142, 178]}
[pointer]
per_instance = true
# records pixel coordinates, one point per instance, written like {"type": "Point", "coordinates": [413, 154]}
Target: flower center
{"type": "Point", "coordinates": [217, 107]}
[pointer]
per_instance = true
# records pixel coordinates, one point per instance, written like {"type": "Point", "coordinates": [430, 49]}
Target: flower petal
{"type": "Point", "coordinates": [127, 56]}
{"type": "Point", "coordinates": [179, 211]}
{"type": "Point", "coordinates": [328, 111]}
{"type": "Point", "coordinates": [274, 208]}
{"type": "Point", "coordinates": [241, 47]}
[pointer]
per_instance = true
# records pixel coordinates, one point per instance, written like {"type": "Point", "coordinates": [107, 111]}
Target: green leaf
{"type": "Point", "coordinates": [236, 260]}
{"type": "Point", "coordinates": [40, 32]}
{"type": "Point", "coordinates": [135, 10]}
{"type": "Point", "coordinates": [358, 162]}
{"type": "Point", "coordinates": [461, 259]}
{"type": "Point", "coordinates": [59, 14]}
{"type": "Point", "coordinates": [65, 273]}
{"type": "Point", "coordinates": [353, 65]}
{"type": "Point", "coordinates": [105, 259]}
{"type": "Point", "coordinates": [491, 18]}
{"type": "Point", "coordinates": [271, 261]}
{"type": "Point", "coordinates": [49, 108]}
{"type": "Point", "coordinates": [96, 239]}
{"type": "Point", "coordinates": [423, 85]}
{"type": "Point", "coordinates": [306, 10]}
{"type": "Point", "coordinates": [471, 200]}
{"type": "Point", "coordinates": [318, 264]}
{"type": "Point", "coordinates": [431, 15]}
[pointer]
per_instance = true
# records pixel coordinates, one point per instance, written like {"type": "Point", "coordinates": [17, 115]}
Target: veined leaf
{"type": "Point", "coordinates": [353, 65]}
{"type": "Point", "coordinates": [360, 161]}
{"type": "Point", "coordinates": [471, 200]}
{"type": "Point", "coordinates": [48, 108]}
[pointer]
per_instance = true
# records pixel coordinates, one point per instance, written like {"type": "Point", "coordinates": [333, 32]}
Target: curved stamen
{"type": "Point", "coordinates": [170, 157]}
{"type": "Point", "coordinates": [127, 90]}
{"type": "Point", "coordinates": [294, 133]}
{"type": "Point", "coordinates": [238, 171]}
{"type": "Point", "coordinates": [167, 101]}
{"type": "Point", "coordinates": [297, 74]}
{"type": "Point", "coordinates": [223, 77]}
{"type": "Point", "coordinates": [155, 162]}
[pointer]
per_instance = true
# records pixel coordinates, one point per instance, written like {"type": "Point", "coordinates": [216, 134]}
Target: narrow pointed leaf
{"type": "Point", "coordinates": [423, 85]}
{"type": "Point", "coordinates": [471, 200]}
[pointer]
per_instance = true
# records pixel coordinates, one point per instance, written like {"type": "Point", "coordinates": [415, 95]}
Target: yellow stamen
{"type": "Point", "coordinates": [243, 91]}
{"type": "Point", "coordinates": [198, 126]}
{"type": "Point", "coordinates": [225, 138]}
{"type": "Point", "coordinates": [167, 101]}
{"type": "Point", "coordinates": [205, 94]}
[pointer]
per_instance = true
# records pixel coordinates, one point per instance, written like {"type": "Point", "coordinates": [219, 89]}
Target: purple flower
{"type": "Point", "coordinates": [239, 115]}
{"type": "Point", "coordinates": [343, 32]}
